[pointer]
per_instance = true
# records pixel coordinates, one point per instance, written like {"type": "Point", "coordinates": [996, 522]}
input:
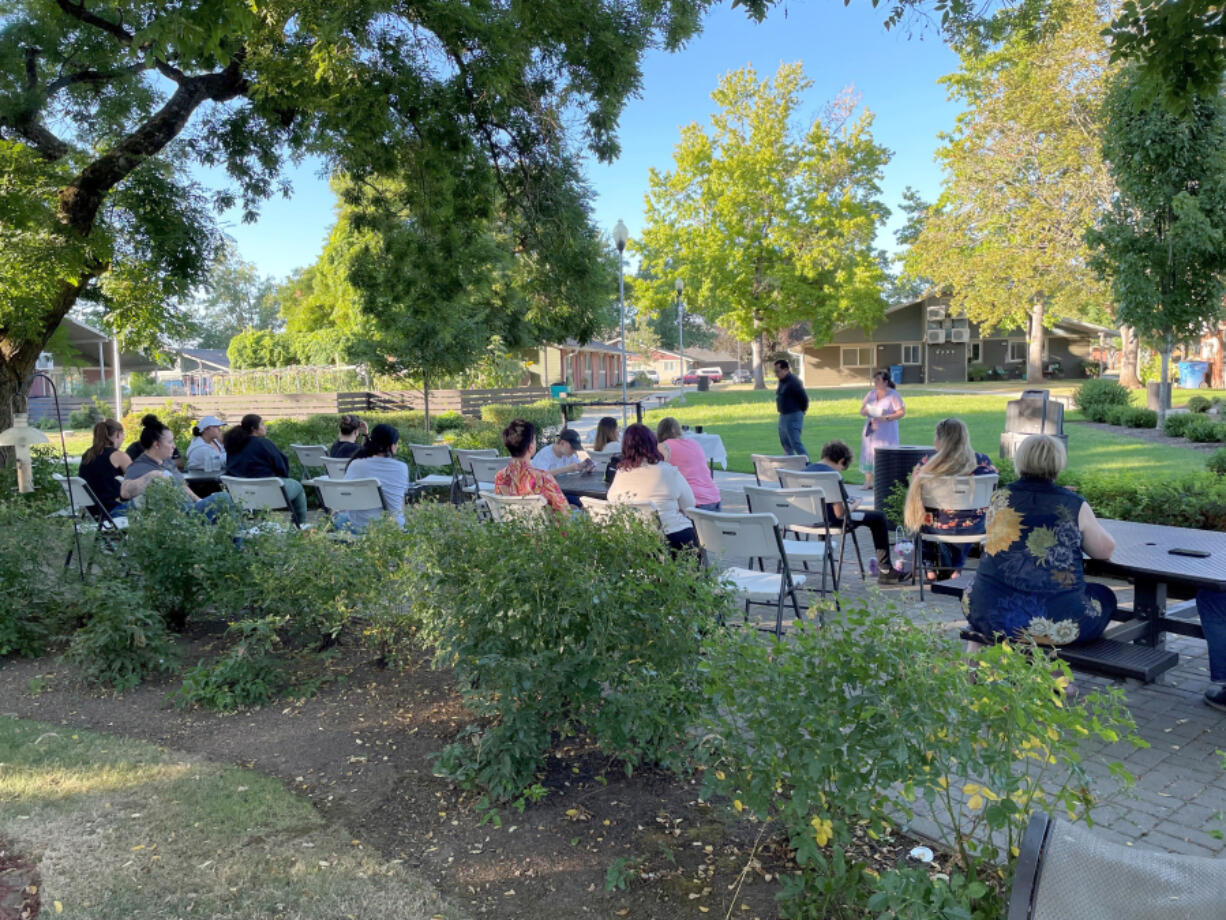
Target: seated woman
{"type": "Point", "coordinates": [205, 453]}
{"type": "Point", "coordinates": [689, 458]}
{"type": "Point", "coordinates": [606, 435]}
{"type": "Point", "coordinates": [376, 459]}
{"type": "Point", "coordinates": [250, 455]}
{"type": "Point", "coordinates": [1030, 582]}
{"type": "Point", "coordinates": [136, 448]}
{"type": "Point", "coordinates": [520, 477]}
{"type": "Point", "coordinates": [836, 457]}
{"type": "Point", "coordinates": [954, 457]}
{"type": "Point", "coordinates": [103, 463]}
{"type": "Point", "coordinates": [643, 476]}
{"type": "Point", "coordinates": [351, 432]}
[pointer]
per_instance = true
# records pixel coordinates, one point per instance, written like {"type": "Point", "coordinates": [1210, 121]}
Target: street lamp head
{"type": "Point", "coordinates": [621, 235]}
{"type": "Point", "coordinates": [679, 285]}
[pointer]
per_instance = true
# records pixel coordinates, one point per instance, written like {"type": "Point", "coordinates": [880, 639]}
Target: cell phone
{"type": "Point", "coordinates": [1194, 553]}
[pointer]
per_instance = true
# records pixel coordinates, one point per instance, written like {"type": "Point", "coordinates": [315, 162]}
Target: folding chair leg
{"type": "Point", "coordinates": [917, 563]}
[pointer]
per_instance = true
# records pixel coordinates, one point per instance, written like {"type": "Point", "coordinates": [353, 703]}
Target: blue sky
{"type": "Point", "coordinates": [894, 72]}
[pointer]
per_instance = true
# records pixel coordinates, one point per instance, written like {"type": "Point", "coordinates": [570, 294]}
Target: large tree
{"type": "Point", "coordinates": [1024, 181]}
{"type": "Point", "coordinates": [1163, 244]}
{"type": "Point", "coordinates": [104, 104]}
{"type": "Point", "coordinates": [235, 297]}
{"type": "Point", "coordinates": [769, 221]}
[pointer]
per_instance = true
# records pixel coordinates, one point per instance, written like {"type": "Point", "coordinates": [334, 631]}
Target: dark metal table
{"type": "Point", "coordinates": [584, 485]}
{"type": "Point", "coordinates": [1142, 554]}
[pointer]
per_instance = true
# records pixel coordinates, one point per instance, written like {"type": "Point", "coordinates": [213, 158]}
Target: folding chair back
{"type": "Point", "coordinates": [829, 481]}
{"type": "Point", "coordinates": [603, 512]}
{"type": "Point", "coordinates": [82, 499]}
{"type": "Point", "coordinates": [958, 493]}
{"type": "Point", "coordinates": [789, 506]}
{"type": "Point", "coordinates": [431, 455]}
{"type": "Point", "coordinates": [267, 494]}
{"type": "Point", "coordinates": [484, 469]}
{"type": "Point", "coordinates": [463, 458]}
{"type": "Point", "coordinates": [602, 457]}
{"type": "Point", "coordinates": [766, 466]}
{"type": "Point", "coordinates": [515, 507]}
{"type": "Point", "coordinates": [725, 535]}
{"type": "Point", "coordinates": [311, 456]}
{"type": "Point", "coordinates": [335, 466]}
{"type": "Point", "coordinates": [351, 494]}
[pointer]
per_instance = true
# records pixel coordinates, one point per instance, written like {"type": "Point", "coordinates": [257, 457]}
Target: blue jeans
{"type": "Point", "coordinates": [212, 506]}
{"type": "Point", "coordinates": [710, 506]}
{"type": "Point", "coordinates": [790, 426]}
{"type": "Point", "coordinates": [1211, 605]}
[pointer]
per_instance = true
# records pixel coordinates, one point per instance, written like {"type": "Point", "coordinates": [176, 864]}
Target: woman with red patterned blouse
{"type": "Point", "coordinates": [519, 477]}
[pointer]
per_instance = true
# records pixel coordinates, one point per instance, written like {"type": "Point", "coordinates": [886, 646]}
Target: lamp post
{"type": "Point", "coordinates": [620, 237]}
{"type": "Point", "coordinates": [21, 437]}
{"type": "Point", "coordinates": [678, 286]}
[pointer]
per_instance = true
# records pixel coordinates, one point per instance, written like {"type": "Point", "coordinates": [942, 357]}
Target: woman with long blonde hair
{"type": "Point", "coordinates": [954, 457]}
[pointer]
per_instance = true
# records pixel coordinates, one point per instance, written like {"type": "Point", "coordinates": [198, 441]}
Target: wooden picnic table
{"type": "Point", "coordinates": [584, 485]}
{"type": "Point", "coordinates": [1142, 555]}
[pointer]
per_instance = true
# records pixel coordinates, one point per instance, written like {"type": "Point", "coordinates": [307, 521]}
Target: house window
{"type": "Point", "coordinates": [911, 354]}
{"type": "Point", "coordinates": [974, 353]}
{"type": "Point", "coordinates": [857, 357]}
{"type": "Point", "coordinates": [1017, 351]}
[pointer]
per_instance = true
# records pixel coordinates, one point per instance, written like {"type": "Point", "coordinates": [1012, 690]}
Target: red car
{"type": "Point", "coordinates": [689, 378]}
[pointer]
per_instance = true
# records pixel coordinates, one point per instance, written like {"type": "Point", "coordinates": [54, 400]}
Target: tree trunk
{"type": "Point", "coordinates": [1129, 358]}
{"type": "Point", "coordinates": [1034, 354]}
{"type": "Point", "coordinates": [759, 376]}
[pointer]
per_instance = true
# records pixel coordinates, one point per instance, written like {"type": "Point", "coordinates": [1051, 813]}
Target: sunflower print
{"type": "Point", "coordinates": [1004, 526]}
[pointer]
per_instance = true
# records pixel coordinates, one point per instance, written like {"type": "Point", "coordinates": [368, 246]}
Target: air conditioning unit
{"type": "Point", "coordinates": [936, 314]}
{"type": "Point", "coordinates": [959, 335]}
{"type": "Point", "coordinates": [936, 336]}
{"type": "Point", "coordinates": [45, 362]}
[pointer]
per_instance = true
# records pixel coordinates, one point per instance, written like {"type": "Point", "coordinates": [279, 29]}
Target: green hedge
{"type": "Point", "coordinates": [1131, 417]}
{"type": "Point", "coordinates": [1195, 500]}
{"type": "Point", "coordinates": [545, 414]}
{"type": "Point", "coordinates": [1176, 424]}
{"type": "Point", "coordinates": [1216, 464]}
{"type": "Point", "coordinates": [1199, 404]}
{"type": "Point", "coordinates": [1096, 397]}
{"type": "Point", "coordinates": [1204, 430]}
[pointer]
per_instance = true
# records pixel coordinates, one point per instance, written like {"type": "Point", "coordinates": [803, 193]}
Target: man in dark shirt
{"type": "Point", "coordinates": [791, 402]}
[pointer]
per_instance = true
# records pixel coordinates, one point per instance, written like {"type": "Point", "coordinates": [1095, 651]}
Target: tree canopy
{"type": "Point", "coordinates": [768, 222]}
{"type": "Point", "coordinates": [1024, 181]}
{"type": "Point", "coordinates": [235, 297]}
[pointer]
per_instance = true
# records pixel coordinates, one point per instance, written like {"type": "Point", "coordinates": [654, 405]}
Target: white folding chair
{"type": "Point", "coordinates": [256, 495]}
{"type": "Point", "coordinates": [483, 471]}
{"type": "Point", "coordinates": [831, 482]}
{"type": "Point", "coordinates": [334, 467]}
{"type": "Point", "coordinates": [766, 467]}
{"type": "Point", "coordinates": [802, 512]}
{"type": "Point", "coordinates": [602, 457]}
{"type": "Point", "coordinates": [464, 464]}
{"type": "Point", "coordinates": [89, 511]}
{"type": "Point", "coordinates": [432, 455]}
{"type": "Point", "coordinates": [952, 493]}
{"type": "Point", "coordinates": [311, 456]}
{"type": "Point", "coordinates": [723, 535]}
{"type": "Point", "coordinates": [515, 507]}
{"type": "Point", "coordinates": [604, 512]}
{"type": "Point", "coordinates": [350, 494]}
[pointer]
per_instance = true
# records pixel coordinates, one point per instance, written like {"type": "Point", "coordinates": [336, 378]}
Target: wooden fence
{"type": "Point", "coordinates": [300, 405]}
{"type": "Point", "coordinates": [41, 407]}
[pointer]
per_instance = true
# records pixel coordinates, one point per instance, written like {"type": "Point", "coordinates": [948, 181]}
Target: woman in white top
{"type": "Point", "coordinates": [606, 441]}
{"type": "Point", "coordinates": [644, 476]}
{"type": "Point", "coordinates": [376, 459]}
{"type": "Point", "coordinates": [205, 454]}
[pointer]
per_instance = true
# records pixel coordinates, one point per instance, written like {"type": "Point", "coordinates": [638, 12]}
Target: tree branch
{"type": "Point", "coordinates": [32, 54]}
{"type": "Point", "coordinates": [79, 12]}
{"type": "Point", "coordinates": [94, 76]}
{"type": "Point", "coordinates": [80, 201]}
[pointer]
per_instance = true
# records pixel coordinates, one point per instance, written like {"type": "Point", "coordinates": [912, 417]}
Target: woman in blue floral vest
{"type": "Point", "coordinates": [1030, 582]}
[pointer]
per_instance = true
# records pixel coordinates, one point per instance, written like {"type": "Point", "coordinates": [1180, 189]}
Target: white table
{"type": "Point", "coordinates": [712, 446]}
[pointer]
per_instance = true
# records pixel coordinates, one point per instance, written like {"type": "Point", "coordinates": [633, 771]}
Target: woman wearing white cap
{"type": "Point", "coordinates": [205, 454]}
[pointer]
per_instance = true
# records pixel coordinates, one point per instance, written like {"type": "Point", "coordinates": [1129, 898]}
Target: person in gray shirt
{"type": "Point", "coordinates": [155, 463]}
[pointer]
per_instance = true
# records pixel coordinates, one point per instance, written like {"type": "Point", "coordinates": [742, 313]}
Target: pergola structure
{"type": "Point", "coordinates": [89, 341]}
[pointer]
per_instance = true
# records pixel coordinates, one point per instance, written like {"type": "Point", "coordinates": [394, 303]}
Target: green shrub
{"type": "Point", "coordinates": [85, 417]}
{"type": "Point", "coordinates": [449, 421]}
{"type": "Point", "coordinates": [1203, 430]}
{"type": "Point", "coordinates": [38, 609]}
{"type": "Point", "coordinates": [1216, 463]}
{"type": "Point", "coordinates": [123, 640]}
{"type": "Point", "coordinates": [1199, 404]}
{"type": "Point", "coordinates": [1176, 424]}
{"type": "Point", "coordinates": [1131, 417]}
{"type": "Point", "coordinates": [248, 674]}
{"type": "Point", "coordinates": [180, 419]}
{"type": "Point", "coordinates": [545, 414]}
{"type": "Point", "coordinates": [479, 435]}
{"type": "Point", "coordinates": [1195, 500]}
{"type": "Point", "coordinates": [977, 372]}
{"type": "Point", "coordinates": [1095, 397]}
{"type": "Point", "coordinates": [558, 628]}
{"type": "Point", "coordinates": [892, 714]}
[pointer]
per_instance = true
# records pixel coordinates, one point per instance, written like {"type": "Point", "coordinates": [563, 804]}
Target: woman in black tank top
{"type": "Point", "coordinates": [104, 463]}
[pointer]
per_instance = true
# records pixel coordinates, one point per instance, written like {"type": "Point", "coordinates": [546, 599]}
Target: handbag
{"type": "Point", "coordinates": [903, 552]}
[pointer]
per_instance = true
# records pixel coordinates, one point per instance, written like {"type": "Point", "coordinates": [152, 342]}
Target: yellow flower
{"type": "Point", "coordinates": [1004, 528]}
{"type": "Point", "coordinates": [719, 775]}
{"type": "Point", "coordinates": [738, 806]}
{"type": "Point", "coordinates": [823, 830]}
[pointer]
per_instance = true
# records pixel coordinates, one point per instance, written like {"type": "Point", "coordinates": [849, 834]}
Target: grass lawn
{"type": "Point", "coordinates": [125, 830]}
{"type": "Point", "coordinates": [747, 422]}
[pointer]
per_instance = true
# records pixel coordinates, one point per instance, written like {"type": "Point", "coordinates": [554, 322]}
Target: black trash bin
{"type": "Point", "coordinates": [704, 383]}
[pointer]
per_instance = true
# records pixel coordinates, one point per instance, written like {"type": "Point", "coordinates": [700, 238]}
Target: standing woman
{"type": "Point", "coordinates": [103, 462]}
{"type": "Point", "coordinates": [882, 407]}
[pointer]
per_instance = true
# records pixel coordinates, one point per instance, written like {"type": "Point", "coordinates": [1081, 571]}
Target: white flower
{"type": "Point", "coordinates": [1040, 626]}
{"type": "Point", "coordinates": [1064, 632]}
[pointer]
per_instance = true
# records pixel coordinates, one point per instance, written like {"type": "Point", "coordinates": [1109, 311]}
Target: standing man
{"type": "Point", "coordinates": [791, 402]}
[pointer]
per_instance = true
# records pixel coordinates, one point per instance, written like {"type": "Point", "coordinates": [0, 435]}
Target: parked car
{"type": "Point", "coordinates": [741, 377]}
{"type": "Point", "coordinates": [651, 374]}
{"type": "Point", "coordinates": [690, 377]}
{"type": "Point", "coordinates": [715, 373]}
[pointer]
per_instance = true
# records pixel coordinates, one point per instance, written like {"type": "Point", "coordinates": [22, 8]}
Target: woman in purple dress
{"type": "Point", "coordinates": [882, 407]}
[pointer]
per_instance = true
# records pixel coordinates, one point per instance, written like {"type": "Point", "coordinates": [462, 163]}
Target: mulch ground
{"type": "Point", "coordinates": [19, 886]}
{"type": "Point", "coordinates": [361, 750]}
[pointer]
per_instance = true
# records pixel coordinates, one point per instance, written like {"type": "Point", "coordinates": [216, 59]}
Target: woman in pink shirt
{"type": "Point", "coordinates": [689, 458]}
